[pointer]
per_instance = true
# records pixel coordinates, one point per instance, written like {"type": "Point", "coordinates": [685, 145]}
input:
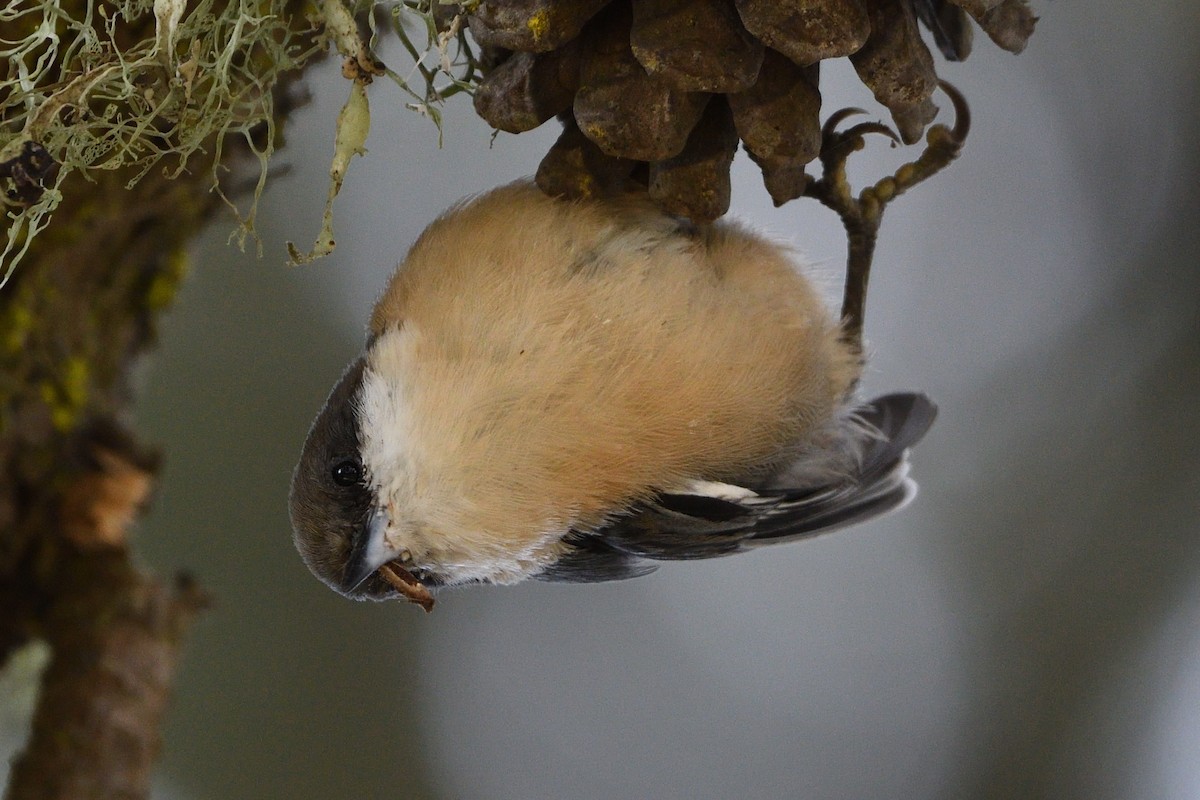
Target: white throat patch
{"type": "Point", "coordinates": [384, 415]}
{"type": "Point", "coordinates": [431, 514]}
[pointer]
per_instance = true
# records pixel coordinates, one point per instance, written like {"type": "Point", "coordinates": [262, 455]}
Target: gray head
{"type": "Point", "coordinates": [334, 511]}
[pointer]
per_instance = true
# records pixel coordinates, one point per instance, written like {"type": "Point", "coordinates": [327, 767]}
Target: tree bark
{"type": "Point", "coordinates": [77, 314]}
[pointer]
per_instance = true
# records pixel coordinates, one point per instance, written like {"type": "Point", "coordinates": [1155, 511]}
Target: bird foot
{"type": "Point", "coordinates": [863, 214]}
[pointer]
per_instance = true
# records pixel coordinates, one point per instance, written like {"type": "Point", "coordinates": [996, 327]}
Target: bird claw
{"type": "Point", "coordinates": [860, 130]}
{"type": "Point", "coordinates": [836, 146]}
{"type": "Point", "coordinates": [836, 118]}
{"type": "Point", "coordinates": [942, 145]}
{"type": "Point", "coordinates": [962, 113]}
{"type": "Point", "coordinates": [863, 214]}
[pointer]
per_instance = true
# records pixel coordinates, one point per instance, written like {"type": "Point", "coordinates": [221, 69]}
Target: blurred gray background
{"type": "Point", "coordinates": [1027, 628]}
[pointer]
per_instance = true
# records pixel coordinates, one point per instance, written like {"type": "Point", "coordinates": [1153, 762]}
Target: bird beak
{"type": "Point", "coordinates": [370, 551]}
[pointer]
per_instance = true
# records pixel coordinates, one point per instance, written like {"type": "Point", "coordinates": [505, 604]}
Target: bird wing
{"type": "Point", "coordinates": [715, 519]}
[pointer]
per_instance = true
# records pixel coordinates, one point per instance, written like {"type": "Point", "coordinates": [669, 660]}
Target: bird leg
{"type": "Point", "coordinates": [862, 215]}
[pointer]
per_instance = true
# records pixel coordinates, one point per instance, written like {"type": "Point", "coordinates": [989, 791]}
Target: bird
{"type": "Point", "coordinates": [574, 390]}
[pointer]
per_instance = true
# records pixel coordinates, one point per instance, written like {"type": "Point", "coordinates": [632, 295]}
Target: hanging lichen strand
{"type": "Point", "coordinates": [665, 89]}
{"type": "Point", "coordinates": [139, 85]}
{"type": "Point", "coordinates": [134, 85]}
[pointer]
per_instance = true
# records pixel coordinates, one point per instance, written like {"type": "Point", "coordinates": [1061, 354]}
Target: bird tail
{"type": "Point", "coordinates": [876, 483]}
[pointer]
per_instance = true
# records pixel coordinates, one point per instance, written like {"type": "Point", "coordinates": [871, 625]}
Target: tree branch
{"type": "Point", "coordinates": [74, 319]}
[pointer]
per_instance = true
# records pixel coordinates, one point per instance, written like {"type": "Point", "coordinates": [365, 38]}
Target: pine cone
{"type": "Point", "coordinates": [663, 90]}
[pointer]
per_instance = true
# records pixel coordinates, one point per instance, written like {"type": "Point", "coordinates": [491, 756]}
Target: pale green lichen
{"type": "Point", "coordinates": [353, 126]}
{"type": "Point", "coordinates": [445, 63]}
{"type": "Point", "coordinates": [443, 55]}
{"type": "Point", "coordinates": [140, 84]}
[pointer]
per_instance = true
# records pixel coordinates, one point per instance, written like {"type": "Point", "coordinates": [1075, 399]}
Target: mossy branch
{"type": "Point", "coordinates": [83, 308]}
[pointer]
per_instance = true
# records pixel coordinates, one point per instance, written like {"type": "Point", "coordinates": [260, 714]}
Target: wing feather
{"type": "Point", "coordinates": [714, 519]}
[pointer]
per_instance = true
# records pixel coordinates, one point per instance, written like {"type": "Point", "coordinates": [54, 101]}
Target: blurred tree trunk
{"type": "Point", "coordinates": [74, 319]}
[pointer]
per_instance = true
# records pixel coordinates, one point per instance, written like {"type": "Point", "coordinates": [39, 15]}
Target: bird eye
{"type": "Point", "coordinates": [347, 472]}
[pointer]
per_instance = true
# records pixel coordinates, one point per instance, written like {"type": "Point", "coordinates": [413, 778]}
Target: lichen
{"type": "Point", "coordinates": [147, 84]}
{"type": "Point", "coordinates": [67, 396]}
{"type": "Point", "coordinates": [163, 288]}
{"type": "Point", "coordinates": [353, 126]}
{"type": "Point", "coordinates": [16, 327]}
{"type": "Point", "coordinates": [539, 23]}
